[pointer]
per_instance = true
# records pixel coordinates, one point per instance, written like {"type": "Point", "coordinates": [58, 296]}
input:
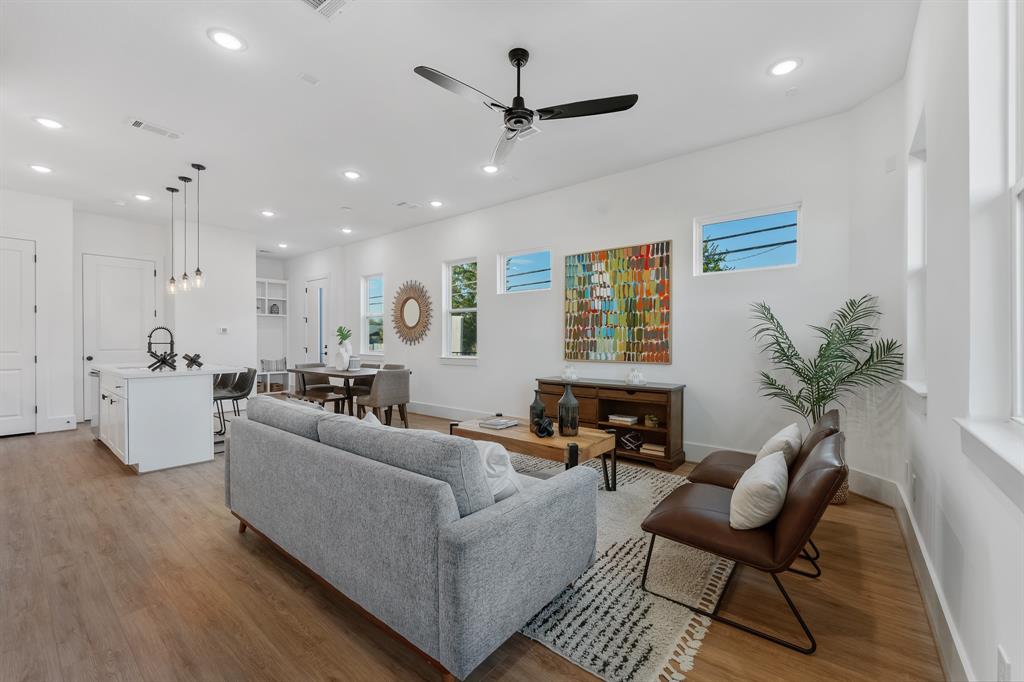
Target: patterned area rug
{"type": "Point", "coordinates": [604, 622]}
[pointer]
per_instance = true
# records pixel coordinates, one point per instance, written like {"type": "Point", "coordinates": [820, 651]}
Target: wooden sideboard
{"type": "Point", "coordinates": [599, 398]}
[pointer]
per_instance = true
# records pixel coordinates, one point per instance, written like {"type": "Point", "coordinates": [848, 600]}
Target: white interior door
{"type": "Point", "coordinates": [118, 311]}
{"type": "Point", "coordinates": [316, 321]}
{"type": "Point", "coordinates": [17, 336]}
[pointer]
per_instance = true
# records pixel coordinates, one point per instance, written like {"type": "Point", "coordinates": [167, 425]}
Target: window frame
{"type": "Point", "coordinates": [1015, 98]}
{"type": "Point", "coordinates": [448, 311]}
{"type": "Point", "coordinates": [502, 264]}
{"type": "Point", "coordinates": [365, 314]}
{"type": "Point", "coordinates": [698, 237]}
{"type": "Point", "coordinates": [1017, 301]}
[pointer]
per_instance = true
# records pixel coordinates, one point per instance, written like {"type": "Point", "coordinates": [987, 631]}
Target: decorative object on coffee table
{"type": "Point", "coordinates": [193, 361]}
{"type": "Point", "coordinates": [410, 312]}
{"type": "Point", "coordinates": [536, 411]}
{"type": "Point", "coordinates": [568, 413]}
{"type": "Point", "coordinates": [618, 305]}
{"type": "Point", "coordinates": [850, 358]}
{"type": "Point", "coordinates": [544, 427]}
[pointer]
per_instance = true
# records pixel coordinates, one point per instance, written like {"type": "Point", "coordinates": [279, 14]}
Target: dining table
{"type": "Point", "coordinates": [346, 375]}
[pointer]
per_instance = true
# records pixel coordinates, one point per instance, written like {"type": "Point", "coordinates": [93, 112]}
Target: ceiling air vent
{"type": "Point", "coordinates": [153, 128]}
{"type": "Point", "coordinates": [327, 8]}
{"type": "Point", "coordinates": [406, 204]}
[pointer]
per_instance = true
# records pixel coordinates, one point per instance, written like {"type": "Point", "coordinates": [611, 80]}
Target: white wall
{"type": "Point", "coordinates": [270, 268]}
{"type": "Point", "coordinates": [971, 533]}
{"type": "Point", "coordinates": [108, 236]}
{"type": "Point", "coordinates": [48, 222]}
{"type": "Point", "coordinates": [520, 335]}
{"type": "Point", "coordinates": [320, 264]}
{"type": "Point", "coordinates": [227, 299]}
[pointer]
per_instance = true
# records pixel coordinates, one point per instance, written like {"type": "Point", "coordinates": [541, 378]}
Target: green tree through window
{"type": "Point", "coordinates": [462, 322]}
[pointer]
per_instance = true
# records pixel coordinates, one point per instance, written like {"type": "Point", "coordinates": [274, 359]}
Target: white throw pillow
{"type": "Point", "coordinates": [760, 493]}
{"type": "Point", "coordinates": [787, 441]}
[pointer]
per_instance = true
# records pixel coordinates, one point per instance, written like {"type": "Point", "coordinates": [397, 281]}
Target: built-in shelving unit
{"type": "Point", "coordinates": [271, 332]}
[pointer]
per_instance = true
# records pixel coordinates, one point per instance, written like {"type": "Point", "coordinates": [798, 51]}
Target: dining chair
{"type": "Point", "coordinates": [360, 386]}
{"type": "Point", "coordinates": [394, 367]}
{"type": "Point", "coordinates": [320, 393]}
{"type": "Point", "coordinates": [390, 389]}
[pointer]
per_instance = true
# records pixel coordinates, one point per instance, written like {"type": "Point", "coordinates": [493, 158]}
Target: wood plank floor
{"type": "Point", "coordinates": [109, 575]}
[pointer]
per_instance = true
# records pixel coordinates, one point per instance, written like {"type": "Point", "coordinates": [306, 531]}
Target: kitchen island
{"type": "Point", "coordinates": [157, 420]}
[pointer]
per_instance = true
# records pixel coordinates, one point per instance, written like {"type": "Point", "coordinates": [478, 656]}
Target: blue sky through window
{"type": "Point", "coordinates": [757, 242]}
{"type": "Point", "coordinates": [375, 295]}
{"type": "Point", "coordinates": [528, 272]}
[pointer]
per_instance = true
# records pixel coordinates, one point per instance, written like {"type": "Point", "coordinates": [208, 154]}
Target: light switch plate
{"type": "Point", "coordinates": [222, 330]}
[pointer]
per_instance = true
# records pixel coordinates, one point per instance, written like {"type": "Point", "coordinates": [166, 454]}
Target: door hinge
{"type": "Point", "coordinates": [35, 359]}
{"type": "Point", "coordinates": [35, 309]}
{"type": "Point", "coordinates": [37, 409]}
{"type": "Point", "coordinates": [154, 272]}
{"type": "Point", "coordinates": [35, 258]}
{"type": "Point", "coordinates": [154, 312]}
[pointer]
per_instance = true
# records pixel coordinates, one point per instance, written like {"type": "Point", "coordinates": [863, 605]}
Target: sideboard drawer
{"type": "Point", "coordinates": [559, 389]}
{"type": "Point", "coordinates": [630, 394]}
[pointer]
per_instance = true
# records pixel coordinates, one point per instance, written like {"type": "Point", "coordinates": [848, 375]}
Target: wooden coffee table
{"type": "Point", "coordinates": [587, 444]}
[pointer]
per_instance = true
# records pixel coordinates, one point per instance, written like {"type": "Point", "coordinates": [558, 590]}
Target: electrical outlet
{"type": "Point", "coordinates": [1002, 665]}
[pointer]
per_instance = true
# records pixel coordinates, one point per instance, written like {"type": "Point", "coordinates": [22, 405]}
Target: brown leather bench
{"type": "Point", "coordinates": [697, 514]}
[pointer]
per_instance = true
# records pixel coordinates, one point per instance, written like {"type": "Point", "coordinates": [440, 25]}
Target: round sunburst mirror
{"type": "Point", "coordinates": [410, 312]}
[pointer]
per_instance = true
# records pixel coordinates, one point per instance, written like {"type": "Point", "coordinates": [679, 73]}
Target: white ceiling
{"type": "Point", "coordinates": [272, 141]}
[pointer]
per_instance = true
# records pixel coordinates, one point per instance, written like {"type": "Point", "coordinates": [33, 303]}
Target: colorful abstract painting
{"type": "Point", "coordinates": [618, 305]}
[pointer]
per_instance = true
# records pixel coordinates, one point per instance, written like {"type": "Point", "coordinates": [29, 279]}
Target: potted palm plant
{"type": "Point", "coordinates": [849, 359]}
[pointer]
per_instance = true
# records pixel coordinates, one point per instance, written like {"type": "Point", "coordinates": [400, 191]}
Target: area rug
{"type": "Point", "coordinates": [604, 622]}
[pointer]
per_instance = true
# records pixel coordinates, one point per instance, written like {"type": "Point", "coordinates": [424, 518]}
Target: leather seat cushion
{"type": "Point", "coordinates": [697, 514]}
{"type": "Point", "coordinates": [722, 468]}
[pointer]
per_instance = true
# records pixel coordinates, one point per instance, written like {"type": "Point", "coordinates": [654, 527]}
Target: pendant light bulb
{"type": "Point", "coordinates": [172, 285]}
{"type": "Point", "coordinates": [184, 229]}
{"type": "Point", "coordinates": [197, 279]}
{"type": "Point", "coordinates": [184, 281]}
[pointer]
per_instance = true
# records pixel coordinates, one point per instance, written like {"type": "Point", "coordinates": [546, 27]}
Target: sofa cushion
{"type": "Point", "coordinates": [445, 458]}
{"type": "Point", "coordinates": [285, 415]}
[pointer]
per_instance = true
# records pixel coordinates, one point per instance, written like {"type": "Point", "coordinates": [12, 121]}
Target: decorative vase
{"type": "Point", "coordinates": [536, 411]}
{"type": "Point", "coordinates": [635, 377]}
{"type": "Point", "coordinates": [341, 359]}
{"type": "Point", "coordinates": [569, 373]}
{"type": "Point", "coordinates": [568, 413]}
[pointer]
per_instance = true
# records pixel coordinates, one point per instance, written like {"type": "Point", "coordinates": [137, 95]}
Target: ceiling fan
{"type": "Point", "coordinates": [519, 119]}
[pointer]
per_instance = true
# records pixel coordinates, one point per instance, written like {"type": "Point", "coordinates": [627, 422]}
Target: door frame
{"type": "Point", "coordinates": [324, 315]}
{"type": "Point", "coordinates": [35, 327]}
{"type": "Point", "coordinates": [158, 302]}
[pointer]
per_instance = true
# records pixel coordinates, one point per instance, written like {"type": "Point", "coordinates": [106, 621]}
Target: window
{"type": "Point", "coordinates": [1017, 198]}
{"type": "Point", "coordinates": [746, 241]}
{"type": "Point", "coordinates": [460, 309]}
{"type": "Point", "coordinates": [373, 314]}
{"type": "Point", "coordinates": [528, 271]}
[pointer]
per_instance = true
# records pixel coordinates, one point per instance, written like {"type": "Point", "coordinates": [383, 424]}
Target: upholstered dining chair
{"type": "Point", "coordinates": [390, 389]}
{"type": "Point", "coordinates": [394, 366]}
{"type": "Point", "coordinates": [316, 388]}
{"type": "Point", "coordinates": [360, 386]}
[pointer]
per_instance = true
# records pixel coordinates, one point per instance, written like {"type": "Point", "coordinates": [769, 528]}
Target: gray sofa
{"type": "Point", "coordinates": [402, 523]}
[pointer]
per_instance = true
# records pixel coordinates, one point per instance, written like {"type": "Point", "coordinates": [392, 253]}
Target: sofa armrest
{"type": "Point", "coordinates": [500, 566]}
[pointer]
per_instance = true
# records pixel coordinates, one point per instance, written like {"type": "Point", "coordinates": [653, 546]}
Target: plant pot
{"type": "Point", "coordinates": [344, 354]}
{"type": "Point", "coordinates": [843, 494]}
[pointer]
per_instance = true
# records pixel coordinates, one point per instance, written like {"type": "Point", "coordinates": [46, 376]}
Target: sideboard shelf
{"type": "Point", "coordinates": [599, 398]}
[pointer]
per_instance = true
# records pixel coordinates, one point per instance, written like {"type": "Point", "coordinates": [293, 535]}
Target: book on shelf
{"type": "Point", "coordinates": [498, 423]}
{"type": "Point", "coordinates": [623, 419]}
{"type": "Point", "coordinates": [652, 449]}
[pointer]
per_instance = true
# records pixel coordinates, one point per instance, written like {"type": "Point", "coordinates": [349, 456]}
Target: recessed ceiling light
{"type": "Point", "coordinates": [784, 67]}
{"type": "Point", "coordinates": [352, 175]}
{"type": "Point", "coordinates": [347, 230]}
{"type": "Point", "coordinates": [142, 197]}
{"type": "Point", "coordinates": [282, 245]}
{"type": "Point", "coordinates": [267, 214]}
{"type": "Point", "coordinates": [225, 39]}
{"type": "Point", "coordinates": [49, 123]}
{"type": "Point", "coordinates": [436, 204]}
{"type": "Point", "coordinates": [490, 169]}
{"type": "Point", "coordinates": [40, 169]}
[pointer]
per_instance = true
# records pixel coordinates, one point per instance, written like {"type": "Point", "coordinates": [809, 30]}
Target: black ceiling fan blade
{"type": "Point", "coordinates": [459, 88]}
{"type": "Point", "coordinates": [506, 142]}
{"type": "Point", "coordinates": [589, 107]}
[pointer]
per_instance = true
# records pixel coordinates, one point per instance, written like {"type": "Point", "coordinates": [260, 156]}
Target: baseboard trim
{"type": "Point", "coordinates": [947, 639]}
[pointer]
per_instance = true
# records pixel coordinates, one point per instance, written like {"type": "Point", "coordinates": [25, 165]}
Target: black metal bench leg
{"type": "Point", "coordinates": [713, 615]}
{"type": "Point", "coordinates": [817, 552]}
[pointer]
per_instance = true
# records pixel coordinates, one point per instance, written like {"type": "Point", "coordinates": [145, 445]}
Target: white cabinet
{"type": "Point", "coordinates": [114, 424]}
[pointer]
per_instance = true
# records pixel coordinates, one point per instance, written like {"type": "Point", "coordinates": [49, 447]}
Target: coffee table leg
{"type": "Point", "coordinates": [574, 456]}
{"type": "Point", "coordinates": [451, 427]}
{"type": "Point", "coordinates": [604, 470]}
{"type": "Point", "coordinates": [615, 472]}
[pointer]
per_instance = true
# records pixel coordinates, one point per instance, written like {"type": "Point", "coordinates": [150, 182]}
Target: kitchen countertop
{"type": "Point", "coordinates": [142, 372]}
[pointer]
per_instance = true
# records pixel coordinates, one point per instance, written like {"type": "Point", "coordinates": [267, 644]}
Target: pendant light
{"type": "Point", "coordinates": [172, 285]}
{"type": "Point", "coordinates": [184, 231]}
{"type": "Point", "coordinates": [198, 282]}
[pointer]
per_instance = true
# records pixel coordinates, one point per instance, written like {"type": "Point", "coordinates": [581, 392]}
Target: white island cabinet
{"type": "Point", "coordinates": [158, 420]}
